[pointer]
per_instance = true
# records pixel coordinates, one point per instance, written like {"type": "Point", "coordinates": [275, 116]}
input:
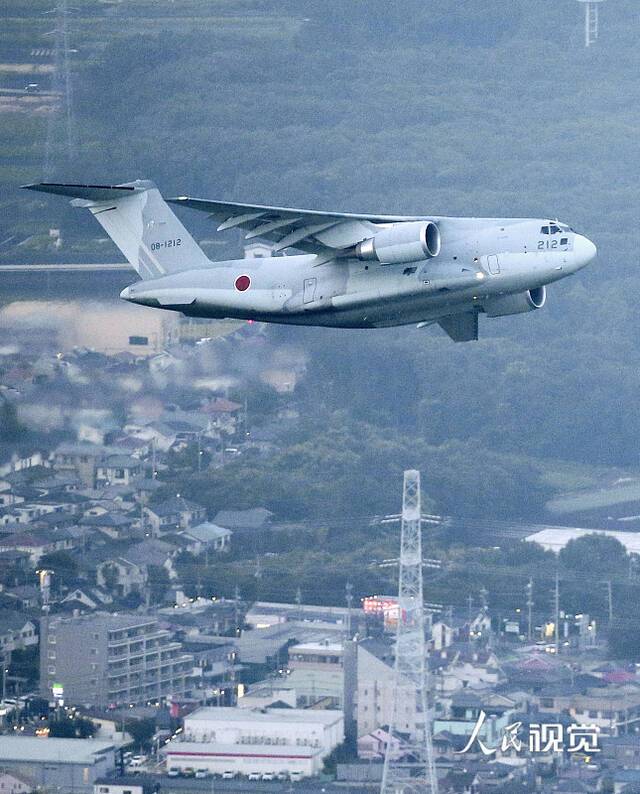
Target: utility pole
{"type": "Point", "coordinates": [5, 670]}
{"type": "Point", "coordinates": [408, 765]}
{"type": "Point", "coordinates": [556, 612]}
{"type": "Point", "coordinates": [529, 589]}
{"type": "Point", "coordinates": [258, 576]}
{"type": "Point", "coordinates": [484, 599]}
{"type": "Point", "coordinates": [299, 603]}
{"type": "Point", "coordinates": [153, 458]}
{"type": "Point", "coordinates": [236, 608]}
{"type": "Point", "coordinates": [610, 600]}
{"type": "Point", "coordinates": [349, 599]}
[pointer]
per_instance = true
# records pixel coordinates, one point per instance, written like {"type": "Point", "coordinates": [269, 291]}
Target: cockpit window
{"type": "Point", "coordinates": [544, 230]}
{"type": "Point", "coordinates": [552, 229]}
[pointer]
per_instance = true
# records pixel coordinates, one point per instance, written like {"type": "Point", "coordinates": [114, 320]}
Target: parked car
{"type": "Point", "coordinates": [282, 776]}
{"type": "Point", "coordinates": [228, 774]}
{"type": "Point", "coordinates": [295, 777]}
{"type": "Point", "coordinates": [189, 772]}
{"type": "Point", "coordinates": [254, 775]}
{"type": "Point", "coordinates": [268, 776]}
{"type": "Point", "coordinates": [173, 771]}
{"type": "Point", "coordinates": [201, 774]}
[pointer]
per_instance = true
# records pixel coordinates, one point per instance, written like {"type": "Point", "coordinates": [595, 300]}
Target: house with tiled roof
{"type": "Point", "coordinates": [173, 514]}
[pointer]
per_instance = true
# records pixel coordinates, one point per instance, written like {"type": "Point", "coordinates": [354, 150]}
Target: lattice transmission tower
{"type": "Point", "coordinates": [61, 135]}
{"type": "Point", "coordinates": [408, 765]}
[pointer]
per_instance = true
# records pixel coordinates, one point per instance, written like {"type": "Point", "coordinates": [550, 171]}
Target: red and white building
{"type": "Point", "coordinates": [256, 740]}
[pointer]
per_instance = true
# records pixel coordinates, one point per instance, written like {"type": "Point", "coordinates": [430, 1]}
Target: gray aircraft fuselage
{"type": "Point", "coordinates": [480, 263]}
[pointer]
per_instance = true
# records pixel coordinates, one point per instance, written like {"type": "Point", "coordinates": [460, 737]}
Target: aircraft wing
{"type": "Point", "coordinates": [313, 231]}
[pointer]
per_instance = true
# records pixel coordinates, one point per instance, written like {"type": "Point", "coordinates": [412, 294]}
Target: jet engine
{"type": "Point", "coordinates": [408, 241]}
{"type": "Point", "coordinates": [516, 304]}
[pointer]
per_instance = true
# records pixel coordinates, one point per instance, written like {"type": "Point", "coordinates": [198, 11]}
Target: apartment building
{"type": "Point", "coordinates": [105, 660]}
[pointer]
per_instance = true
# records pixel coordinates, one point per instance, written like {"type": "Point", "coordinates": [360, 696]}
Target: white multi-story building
{"type": "Point", "coordinates": [256, 740]}
{"type": "Point", "coordinates": [325, 655]}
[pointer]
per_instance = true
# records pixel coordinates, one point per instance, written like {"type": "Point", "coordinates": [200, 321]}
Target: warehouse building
{"type": "Point", "coordinates": [556, 538]}
{"type": "Point", "coordinates": [256, 740]}
{"type": "Point", "coordinates": [58, 764]}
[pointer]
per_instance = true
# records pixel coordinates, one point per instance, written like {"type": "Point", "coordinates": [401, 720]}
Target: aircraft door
{"type": "Point", "coordinates": [493, 265]}
{"type": "Point", "coordinates": [309, 290]}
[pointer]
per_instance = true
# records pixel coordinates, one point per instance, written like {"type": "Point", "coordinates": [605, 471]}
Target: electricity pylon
{"type": "Point", "coordinates": [60, 123]}
{"type": "Point", "coordinates": [408, 764]}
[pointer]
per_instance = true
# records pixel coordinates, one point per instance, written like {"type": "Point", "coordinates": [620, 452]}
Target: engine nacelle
{"type": "Point", "coordinates": [408, 241]}
{"type": "Point", "coordinates": [516, 304]}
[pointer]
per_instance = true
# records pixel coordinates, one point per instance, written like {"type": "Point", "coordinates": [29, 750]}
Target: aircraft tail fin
{"type": "Point", "coordinates": [140, 223]}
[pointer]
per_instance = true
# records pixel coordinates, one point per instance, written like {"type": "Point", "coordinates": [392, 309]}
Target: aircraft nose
{"type": "Point", "coordinates": [583, 250]}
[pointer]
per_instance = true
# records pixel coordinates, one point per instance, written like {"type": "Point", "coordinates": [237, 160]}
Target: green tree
{"type": "Point", "coordinates": [159, 582]}
{"type": "Point", "coordinates": [71, 728]}
{"type": "Point", "coordinates": [10, 427]}
{"type": "Point", "coordinates": [595, 554]}
{"type": "Point", "coordinates": [141, 731]}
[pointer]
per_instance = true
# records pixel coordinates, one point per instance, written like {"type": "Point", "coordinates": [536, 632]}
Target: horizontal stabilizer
{"type": "Point", "coordinates": [460, 327]}
{"type": "Point", "coordinates": [92, 192]}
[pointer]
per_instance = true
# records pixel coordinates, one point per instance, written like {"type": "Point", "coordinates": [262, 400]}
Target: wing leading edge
{"type": "Point", "coordinates": [310, 230]}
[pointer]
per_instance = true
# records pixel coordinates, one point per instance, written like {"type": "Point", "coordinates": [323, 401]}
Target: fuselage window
{"type": "Point", "coordinates": [564, 241]}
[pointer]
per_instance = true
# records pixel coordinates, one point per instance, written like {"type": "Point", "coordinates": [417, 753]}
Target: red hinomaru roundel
{"type": "Point", "coordinates": [243, 283]}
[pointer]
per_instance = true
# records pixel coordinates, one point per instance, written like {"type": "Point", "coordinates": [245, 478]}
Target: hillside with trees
{"type": "Point", "coordinates": [416, 107]}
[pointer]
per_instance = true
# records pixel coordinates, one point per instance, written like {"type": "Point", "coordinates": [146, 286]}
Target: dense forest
{"type": "Point", "coordinates": [418, 107]}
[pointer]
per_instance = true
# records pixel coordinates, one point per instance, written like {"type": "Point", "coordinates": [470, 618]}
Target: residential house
{"type": "Point", "coordinates": [84, 460]}
{"type": "Point", "coordinates": [114, 526]}
{"type": "Point", "coordinates": [87, 598]}
{"type": "Point", "coordinates": [13, 563]}
{"type": "Point", "coordinates": [254, 520]}
{"type": "Point", "coordinates": [20, 462]}
{"type": "Point", "coordinates": [223, 414]}
{"type": "Point", "coordinates": [173, 514]}
{"type": "Point", "coordinates": [373, 746]}
{"type": "Point", "coordinates": [117, 470]}
{"type": "Point", "coordinates": [24, 597]}
{"type": "Point", "coordinates": [15, 783]}
{"type": "Point", "coordinates": [154, 552]}
{"type": "Point", "coordinates": [33, 543]}
{"type": "Point", "coordinates": [207, 537]}
{"type": "Point", "coordinates": [16, 631]}
{"type": "Point", "coordinates": [122, 577]}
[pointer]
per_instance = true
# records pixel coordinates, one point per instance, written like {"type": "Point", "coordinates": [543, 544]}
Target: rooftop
{"type": "Point", "coordinates": [269, 715]}
{"type": "Point", "coordinates": [556, 538]}
{"type": "Point", "coordinates": [52, 751]}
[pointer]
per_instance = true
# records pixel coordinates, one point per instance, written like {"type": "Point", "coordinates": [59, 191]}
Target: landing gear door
{"type": "Point", "coordinates": [309, 290]}
{"type": "Point", "coordinates": [493, 265]}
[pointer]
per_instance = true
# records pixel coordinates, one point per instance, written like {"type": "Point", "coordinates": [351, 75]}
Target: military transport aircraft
{"type": "Point", "coordinates": [355, 271]}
